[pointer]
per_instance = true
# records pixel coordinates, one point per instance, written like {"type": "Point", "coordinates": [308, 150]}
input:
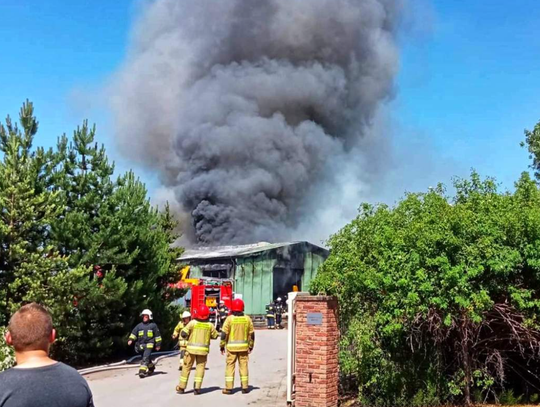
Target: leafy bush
{"type": "Point", "coordinates": [7, 355]}
{"type": "Point", "coordinates": [439, 296]}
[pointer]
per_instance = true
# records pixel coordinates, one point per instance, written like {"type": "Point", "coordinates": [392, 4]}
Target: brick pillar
{"type": "Point", "coordinates": [316, 363]}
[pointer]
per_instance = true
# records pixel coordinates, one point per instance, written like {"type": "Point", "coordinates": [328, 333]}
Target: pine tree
{"type": "Point", "coordinates": [90, 248]}
{"type": "Point", "coordinates": [30, 267]}
{"type": "Point", "coordinates": [110, 227]}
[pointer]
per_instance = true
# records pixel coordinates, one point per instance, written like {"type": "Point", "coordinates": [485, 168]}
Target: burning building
{"type": "Point", "coordinates": [261, 272]}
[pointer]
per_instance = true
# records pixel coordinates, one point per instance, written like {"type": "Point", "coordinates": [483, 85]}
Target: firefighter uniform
{"type": "Point", "coordinates": [278, 306]}
{"type": "Point", "coordinates": [146, 336]}
{"type": "Point", "coordinates": [198, 334]}
{"type": "Point", "coordinates": [223, 314]}
{"type": "Point", "coordinates": [238, 338]}
{"type": "Point", "coordinates": [271, 316]}
{"type": "Point", "coordinates": [182, 343]}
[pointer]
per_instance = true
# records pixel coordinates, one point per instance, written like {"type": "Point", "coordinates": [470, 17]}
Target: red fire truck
{"type": "Point", "coordinates": [206, 290]}
{"type": "Point", "coordinates": [211, 291]}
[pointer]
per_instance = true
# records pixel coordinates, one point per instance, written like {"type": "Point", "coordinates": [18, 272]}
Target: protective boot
{"type": "Point", "coordinates": [225, 391]}
{"type": "Point", "coordinates": [245, 391]}
{"type": "Point", "coordinates": [196, 391]}
{"type": "Point", "coordinates": [179, 390]}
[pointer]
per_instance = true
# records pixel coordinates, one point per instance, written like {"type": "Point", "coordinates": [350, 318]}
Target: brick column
{"type": "Point", "coordinates": [316, 363]}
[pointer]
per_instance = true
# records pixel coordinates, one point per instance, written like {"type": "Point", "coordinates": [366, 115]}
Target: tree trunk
{"type": "Point", "coordinates": [466, 360]}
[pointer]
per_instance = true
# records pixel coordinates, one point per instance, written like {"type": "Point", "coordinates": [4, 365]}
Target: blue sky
{"type": "Point", "coordinates": [469, 83]}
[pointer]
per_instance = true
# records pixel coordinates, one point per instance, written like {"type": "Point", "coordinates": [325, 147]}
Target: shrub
{"type": "Point", "coordinates": [439, 296]}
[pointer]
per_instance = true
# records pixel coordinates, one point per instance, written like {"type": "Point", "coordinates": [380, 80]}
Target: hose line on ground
{"type": "Point", "coordinates": [127, 364]}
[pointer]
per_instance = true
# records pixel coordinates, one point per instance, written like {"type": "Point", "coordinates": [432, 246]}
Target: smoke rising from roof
{"type": "Point", "coordinates": [247, 108]}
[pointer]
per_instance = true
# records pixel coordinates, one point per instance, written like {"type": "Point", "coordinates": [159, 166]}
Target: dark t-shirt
{"type": "Point", "coordinates": [56, 385]}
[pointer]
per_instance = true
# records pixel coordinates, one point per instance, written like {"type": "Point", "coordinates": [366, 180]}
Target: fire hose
{"type": "Point", "coordinates": [127, 364]}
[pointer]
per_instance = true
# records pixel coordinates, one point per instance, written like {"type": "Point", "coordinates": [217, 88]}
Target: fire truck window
{"type": "Point", "coordinates": [215, 273]}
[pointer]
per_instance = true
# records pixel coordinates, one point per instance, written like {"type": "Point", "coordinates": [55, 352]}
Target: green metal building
{"type": "Point", "coordinates": [261, 272]}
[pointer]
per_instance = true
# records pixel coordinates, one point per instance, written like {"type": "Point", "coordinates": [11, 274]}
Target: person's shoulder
{"type": "Point", "coordinates": [66, 369]}
{"type": "Point", "coordinates": [6, 374]}
{"type": "Point", "coordinates": [57, 368]}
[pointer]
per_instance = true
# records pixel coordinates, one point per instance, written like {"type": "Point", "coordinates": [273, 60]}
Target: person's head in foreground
{"type": "Point", "coordinates": [30, 330]}
{"type": "Point", "coordinates": [37, 380]}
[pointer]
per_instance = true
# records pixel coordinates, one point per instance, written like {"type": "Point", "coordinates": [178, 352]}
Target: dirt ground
{"type": "Point", "coordinates": [123, 388]}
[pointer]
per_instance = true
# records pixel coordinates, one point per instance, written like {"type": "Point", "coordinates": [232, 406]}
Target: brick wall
{"type": "Point", "coordinates": [316, 363]}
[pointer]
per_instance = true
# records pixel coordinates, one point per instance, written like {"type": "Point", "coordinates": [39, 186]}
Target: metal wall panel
{"type": "Point", "coordinates": [312, 262]}
{"type": "Point", "coordinates": [253, 279]}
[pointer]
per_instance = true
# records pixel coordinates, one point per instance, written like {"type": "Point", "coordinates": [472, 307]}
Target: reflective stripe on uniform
{"type": "Point", "coordinates": [149, 345]}
{"type": "Point", "coordinates": [141, 333]}
{"type": "Point", "coordinates": [150, 333]}
{"type": "Point", "coordinates": [158, 339]}
{"type": "Point", "coordinates": [197, 347]}
{"type": "Point", "coordinates": [238, 346]}
{"type": "Point", "coordinates": [183, 379]}
{"type": "Point", "coordinates": [198, 379]}
{"type": "Point", "coordinates": [142, 367]}
{"type": "Point", "coordinates": [229, 378]}
{"type": "Point", "coordinates": [132, 336]}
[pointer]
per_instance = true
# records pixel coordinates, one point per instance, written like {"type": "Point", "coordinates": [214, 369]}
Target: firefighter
{"type": "Point", "coordinates": [279, 312]}
{"type": "Point", "coordinates": [223, 314]}
{"type": "Point", "coordinates": [182, 343]}
{"type": "Point", "coordinates": [147, 337]}
{"type": "Point", "coordinates": [198, 334]}
{"type": "Point", "coordinates": [271, 316]}
{"type": "Point", "coordinates": [238, 338]}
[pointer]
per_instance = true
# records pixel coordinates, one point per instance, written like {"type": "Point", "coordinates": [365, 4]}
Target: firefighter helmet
{"type": "Point", "coordinates": [186, 314]}
{"type": "Point", "coordinates": [147, 312]}
{"type": "Point", "coordinates": [238, 305]}
{"type": "Point", "coordinates": [203, 312]}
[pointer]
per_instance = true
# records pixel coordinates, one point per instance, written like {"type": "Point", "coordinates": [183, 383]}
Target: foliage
{"type": "Point", "coordinates": [89, 247]}
{"type": "Point", "coordinates": [439, 296]}
{"type": "Point", "coordinates": [7, 355]}
{"type": "Point", "coordinates": [508, 398]}
{"type": "Point", "coordinates": [532, 141]}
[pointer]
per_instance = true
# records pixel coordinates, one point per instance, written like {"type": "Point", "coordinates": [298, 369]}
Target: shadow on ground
{"type": "Point", "coordinates": [205, 390]}
{"type": "Point", "coordinates": [250, 388]}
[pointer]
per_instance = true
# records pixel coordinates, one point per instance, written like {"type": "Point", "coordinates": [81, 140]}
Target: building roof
{"type": "Point", "coordinates": [222, 252]}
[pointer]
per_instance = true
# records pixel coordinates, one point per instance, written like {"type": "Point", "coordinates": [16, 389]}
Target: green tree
{"type": "Point", "coordinates": [532, 141]}
{"type": "Point", "coordinates": [29, 266]}
{"type": "Point", "coordinates": [440, 296]}
{"type": "Point", "coordinates": [88, 246]}
{"type": "Point", "coordinates": [109, 226]}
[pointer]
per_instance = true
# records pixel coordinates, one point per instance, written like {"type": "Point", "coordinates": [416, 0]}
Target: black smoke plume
{"type": "Point", "coordinates": [245, 107]}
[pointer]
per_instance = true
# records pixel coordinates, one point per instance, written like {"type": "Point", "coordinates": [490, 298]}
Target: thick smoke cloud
{"type": "Point", "coordinates": [246, 108]}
